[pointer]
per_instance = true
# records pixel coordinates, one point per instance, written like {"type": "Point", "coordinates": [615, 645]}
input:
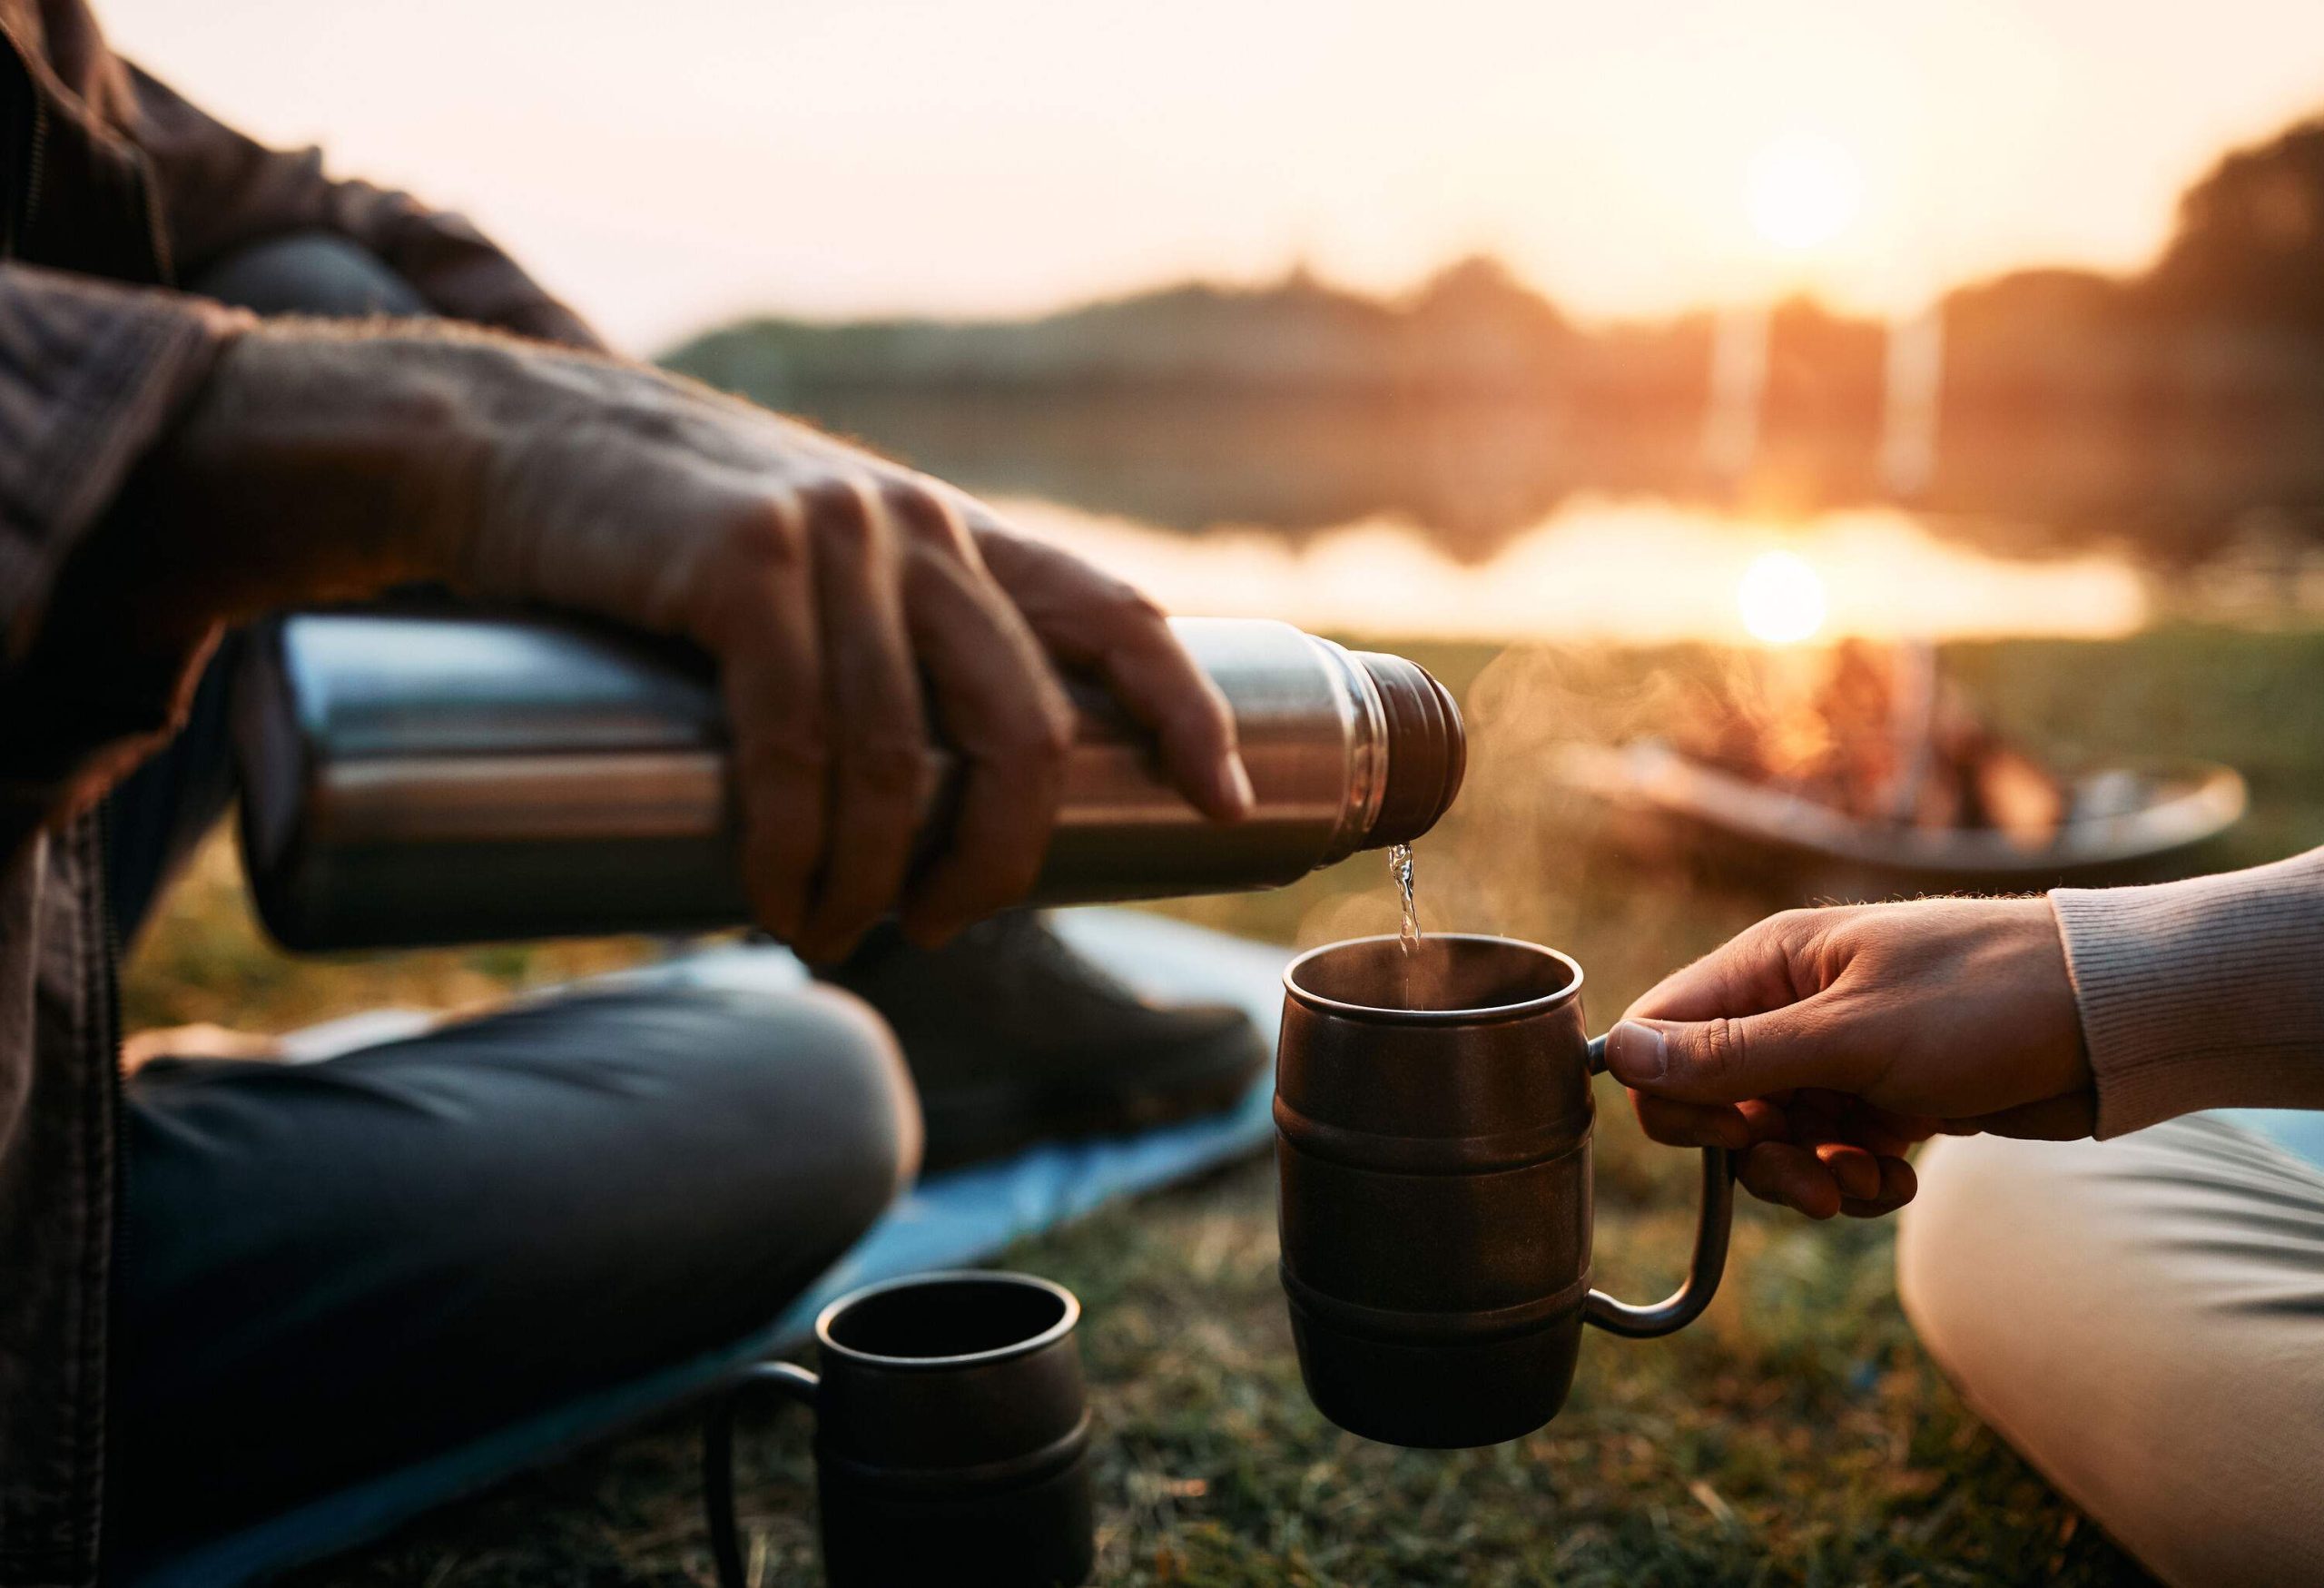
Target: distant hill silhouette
{"type": "Point", "coordinates": [2195, 385]}
{"type": "Point", "coordinates": [1473, 328]}
{"type": "Point", "coordinates": [2249, 249]}
{"type": "Point", "coordinates": [2247, 259]}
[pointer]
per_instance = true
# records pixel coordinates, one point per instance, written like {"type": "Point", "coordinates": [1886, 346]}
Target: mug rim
{"type": "Point", "coordinates": [1478, 1015]}
{"type": "Point", "coordinates": [937, 1278]}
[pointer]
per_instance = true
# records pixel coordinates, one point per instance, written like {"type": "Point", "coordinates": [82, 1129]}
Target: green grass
{"type": "Point", "coordinates": [1797, 1434]}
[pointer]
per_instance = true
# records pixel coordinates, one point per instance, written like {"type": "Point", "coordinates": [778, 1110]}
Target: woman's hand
{"type": "Point", "coordinates": [848, 601]}
{"type": "Point", "coordinates": [1821, 1044]}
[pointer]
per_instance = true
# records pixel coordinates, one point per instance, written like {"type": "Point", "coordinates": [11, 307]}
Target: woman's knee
{"type": "Point", "coordinates": [2004, 1252]}
{"type": "Point", "coordinates": [1945, 1236]}
{"type": "Point", "coordinates": [2143, 1320]}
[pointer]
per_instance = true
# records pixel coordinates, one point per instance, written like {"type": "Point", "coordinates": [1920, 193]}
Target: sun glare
{"type": "Point", "coordinates": [1803, 189]}
{"type": "Point", "coordinates": [1781, 598]}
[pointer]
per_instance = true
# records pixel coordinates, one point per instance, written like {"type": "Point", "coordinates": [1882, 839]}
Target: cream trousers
{"type": "Point", "coordinates": [2143, 1320]}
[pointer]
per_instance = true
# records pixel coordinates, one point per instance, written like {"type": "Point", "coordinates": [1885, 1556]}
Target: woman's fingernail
{"type": "Point", "coordinates": [1636, 1053]}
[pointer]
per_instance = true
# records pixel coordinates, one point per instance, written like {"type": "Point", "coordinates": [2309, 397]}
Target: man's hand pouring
{"type": "Point", "coordinates": [1821, 1044]}
{"type": "Point", "coordinates": [849, 601]}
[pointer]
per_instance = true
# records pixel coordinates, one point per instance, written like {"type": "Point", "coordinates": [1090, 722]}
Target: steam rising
{"type": "Point", "coordinates": [1520, 855]}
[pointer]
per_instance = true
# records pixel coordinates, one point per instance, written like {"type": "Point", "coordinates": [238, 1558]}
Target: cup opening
{"type": "Point", "coordinates": [1445, 977]}
{"type": "Point", "coordinates": [947, 1319]}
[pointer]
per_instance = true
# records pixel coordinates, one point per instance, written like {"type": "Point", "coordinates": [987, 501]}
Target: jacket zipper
{"type": "Point", "coordinates": [17, 221]}
{"type": "Point", "coordinates": [110, 1015]}
{"type": "Point", "coordinates": [109, 1019]}
{"type": "Point", "coordinates": [16, 225]}
{"type": "Point", "coordinates": [35, 168]}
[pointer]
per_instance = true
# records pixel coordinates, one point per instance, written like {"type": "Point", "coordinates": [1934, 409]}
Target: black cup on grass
{"type": "Point", "coordinates": [952, 1440]}
{"type": "Point", "coordinates": [1433, 1116]}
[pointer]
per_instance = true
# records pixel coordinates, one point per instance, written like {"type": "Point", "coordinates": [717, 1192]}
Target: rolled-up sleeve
{"type": "Point", "coordinates": [2201, 994]}
{"type": "Point", "coordinates": [90, 375]}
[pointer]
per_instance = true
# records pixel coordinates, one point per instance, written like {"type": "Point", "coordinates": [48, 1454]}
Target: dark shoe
{"type": "Point", "coordinates": [1014, 1039]}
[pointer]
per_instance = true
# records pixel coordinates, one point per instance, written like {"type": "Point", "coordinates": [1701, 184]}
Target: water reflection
{"type": "Point", "coordinates": [1638, 571]}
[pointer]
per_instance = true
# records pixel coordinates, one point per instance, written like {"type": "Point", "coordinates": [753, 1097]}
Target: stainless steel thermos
{"type": "Point", "coordinates": [426, 779]}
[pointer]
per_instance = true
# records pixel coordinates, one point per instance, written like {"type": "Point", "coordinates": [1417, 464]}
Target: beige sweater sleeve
{"type": "Point", "coordinates": [2203, 994]}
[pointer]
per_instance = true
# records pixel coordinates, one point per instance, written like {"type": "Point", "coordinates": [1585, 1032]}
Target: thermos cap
{"type": "Point", "coordinates": [1428, 751]}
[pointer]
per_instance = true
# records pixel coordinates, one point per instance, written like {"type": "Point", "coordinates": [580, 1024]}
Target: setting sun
{"type": "Point", "coordinates": [1781, 598]}
{"type": "Point", "coordinates": [1803, 190]}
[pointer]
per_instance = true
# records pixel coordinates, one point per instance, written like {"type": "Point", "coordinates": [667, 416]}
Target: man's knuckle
{"type": "Point", "coordinates": [923, 513]}
{"type": "Point", "coordinates": [887, 767]}
{"type": "Point", "coordinates": [1034, 744]}
{"type": "Point", "coordinates": [1053, 733]}
{"type": "Point", "coordinates": [1723, 1050]}
{"type": "Point", "coordinates": [1015, 876]}
{"type": "Point", "coordinates": [838, 495]}
{"type": "Point", "coordinates": [765, 534]}
{"type": "Point", "coordinates": [1134, 613]}
{"type": "Point", "coordinates": [802, 746]}
{"type": "Point", "coordinates": [849, 530]}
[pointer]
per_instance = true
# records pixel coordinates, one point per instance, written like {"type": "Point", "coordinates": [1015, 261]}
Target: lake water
{"type": "Point", "coordinates": [1639, 571]}
{"type": "Point", "coordinates": [1505, 523]}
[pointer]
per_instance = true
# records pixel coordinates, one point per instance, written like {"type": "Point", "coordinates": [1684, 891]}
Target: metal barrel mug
{"type": "Point", "coordinates": [1432, 1113]}
{"type": "Point", "coordinates": [951, 1436]}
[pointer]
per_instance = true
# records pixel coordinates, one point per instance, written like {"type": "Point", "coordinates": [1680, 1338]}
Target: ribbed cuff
{"type": "Point", "coordinates": [2203, 994]}
{"type": "Point", "coordinates": [92, 374]}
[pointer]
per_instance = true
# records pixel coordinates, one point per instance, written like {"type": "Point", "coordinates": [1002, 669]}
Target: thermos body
{"type": "Point", "coordinates": [412, 780]}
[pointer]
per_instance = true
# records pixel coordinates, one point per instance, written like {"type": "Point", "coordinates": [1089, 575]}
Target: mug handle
{"type": "Point", "coordinates": [718, 1454]}
{"type": "Point", "coordinates": [1685, 1303]}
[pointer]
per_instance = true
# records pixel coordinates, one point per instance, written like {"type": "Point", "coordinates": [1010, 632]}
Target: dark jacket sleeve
{"type": "Point", "coordinates": [219, 191]}
{"type": "Point", "coordinates": [90, 375]}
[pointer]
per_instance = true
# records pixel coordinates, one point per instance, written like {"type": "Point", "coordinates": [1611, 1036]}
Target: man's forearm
{"type": "Point", "coordinates": [314, 465]}
{"type": "Point", "coordinates": [328, 461]}
{"type": "Point", "coordinates": [306, 465]}
{"type": "Point", "coordinates": [2200, 994]}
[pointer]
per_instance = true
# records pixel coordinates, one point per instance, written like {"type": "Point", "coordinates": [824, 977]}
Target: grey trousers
{"type": "Point", "coordinates": [2143, 1320]}
{"type": "Point", "coordinates": [329, 1269]}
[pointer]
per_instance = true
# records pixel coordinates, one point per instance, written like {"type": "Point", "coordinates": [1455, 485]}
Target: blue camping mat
{"type": "Point", "coordinates": [948, 1221]}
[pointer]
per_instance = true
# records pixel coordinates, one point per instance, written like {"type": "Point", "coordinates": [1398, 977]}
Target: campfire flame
{"type": "Point", "coordinates": [1875, 731]}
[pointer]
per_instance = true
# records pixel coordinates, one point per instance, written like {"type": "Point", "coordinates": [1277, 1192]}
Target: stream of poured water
{"type": "Point", "coordinates": [1400, 867]}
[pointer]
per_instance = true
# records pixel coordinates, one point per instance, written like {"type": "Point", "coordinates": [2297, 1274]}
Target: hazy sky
{"type": "Point", "coordinates": [665, 164]}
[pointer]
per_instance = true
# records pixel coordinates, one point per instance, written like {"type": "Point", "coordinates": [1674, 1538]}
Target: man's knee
{"type": "Point", "coordinates": [717, 1149]}
{"type": "Point", "coordinates": [787, 1126]}
{"type": "Point", "coordinates": [788, 1115]}
{"type": "Point", "coordinates": [714, 1148]}
{"type": "Point", "coordinates": [310, 273]}
{"type": "Point", "coordinates": [823, 1072]}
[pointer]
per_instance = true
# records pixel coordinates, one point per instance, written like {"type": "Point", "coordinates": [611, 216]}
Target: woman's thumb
{"type": "Point", "coordinates": [1724, 1061]}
